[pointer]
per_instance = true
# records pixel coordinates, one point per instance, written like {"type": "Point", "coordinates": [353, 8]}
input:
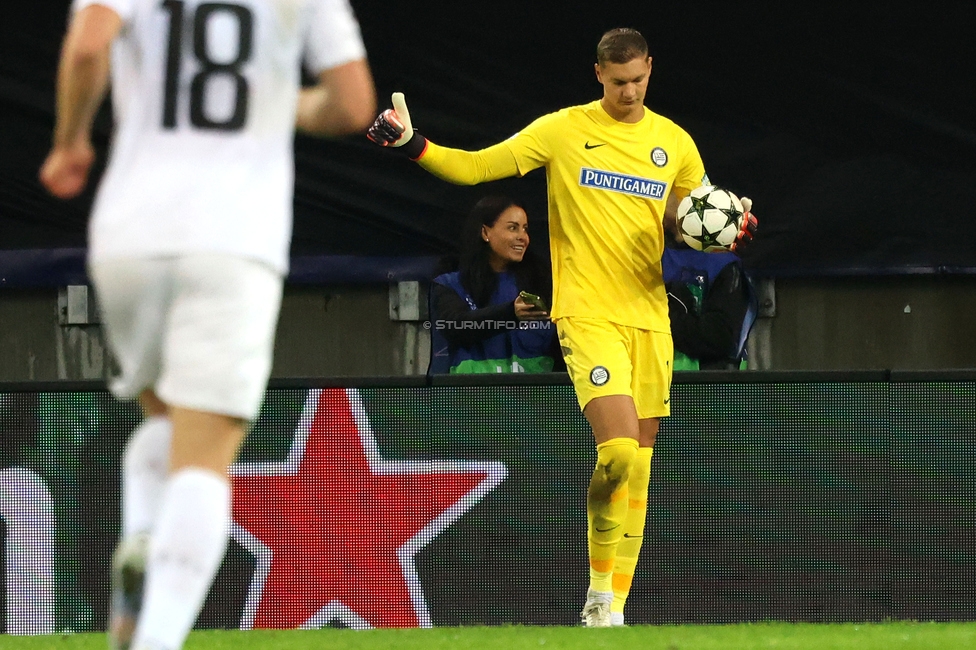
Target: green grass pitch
{"type": "Point", "coordinates": [780, 636]}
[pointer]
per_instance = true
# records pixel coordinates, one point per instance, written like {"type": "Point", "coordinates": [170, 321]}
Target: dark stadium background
{"type": "Point", "coordinates": [853, 129]}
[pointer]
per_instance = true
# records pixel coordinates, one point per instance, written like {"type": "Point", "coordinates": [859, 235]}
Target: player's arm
{"type": "Point", "coordinates": [469, 167]}
{"type": "Point", "coordinates": [393, 128]}
{"type": "Point", "coordinates": [83, 75]}
{"type": "Point", "coordinates": [671, 211]}
{"type": "Point", "coordinates": [453, 313]}
{"type": "Point", "coordinates": [342, 102]}
{"type": "Point", "coordinates": [344, 99]}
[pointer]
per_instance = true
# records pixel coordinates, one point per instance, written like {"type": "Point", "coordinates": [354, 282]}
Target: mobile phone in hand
{"type": "Point", "coordinates": [533, 300]}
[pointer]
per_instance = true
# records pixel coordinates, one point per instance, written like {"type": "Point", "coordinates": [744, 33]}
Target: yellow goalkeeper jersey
{"type": "Point", "coordinates": [608, 184]}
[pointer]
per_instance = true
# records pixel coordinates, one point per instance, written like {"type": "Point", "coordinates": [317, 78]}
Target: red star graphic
{"type": "Point", "coordinates": [335, 527]}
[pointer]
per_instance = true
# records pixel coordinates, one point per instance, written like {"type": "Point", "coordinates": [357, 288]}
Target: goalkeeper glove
{"type": "Point", "coordinates": [747, 231]}
{"type": "Point", "coordinates": [392, 128]}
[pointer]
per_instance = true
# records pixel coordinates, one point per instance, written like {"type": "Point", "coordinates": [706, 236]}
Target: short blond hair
{"type": "Point", "coordinates": [620, 46]}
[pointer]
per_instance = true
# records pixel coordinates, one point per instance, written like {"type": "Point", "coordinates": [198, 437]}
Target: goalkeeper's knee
{"type": "Point", "coordinates": [614, 460]}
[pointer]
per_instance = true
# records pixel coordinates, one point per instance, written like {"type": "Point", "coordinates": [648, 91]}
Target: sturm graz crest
{"type": "Point", "coordinates": [599, 375]}
{"type": "Point", "coordinates": [659, 156]}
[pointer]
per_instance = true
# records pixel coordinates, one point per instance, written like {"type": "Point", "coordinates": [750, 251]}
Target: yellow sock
{"type": "Point", "coordinates": [629, 547]}
{"type": "Point", "coordinates": [606, 507]}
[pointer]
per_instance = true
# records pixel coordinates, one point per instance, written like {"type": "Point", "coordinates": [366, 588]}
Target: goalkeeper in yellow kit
{"type": "Point", "coordinates": [615, 172]}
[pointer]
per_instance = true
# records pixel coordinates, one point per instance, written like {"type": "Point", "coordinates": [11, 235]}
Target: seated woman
{"type": "Point", "coordinates": [480, 321]}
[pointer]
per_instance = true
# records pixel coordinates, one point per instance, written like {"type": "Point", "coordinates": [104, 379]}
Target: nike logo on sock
{"type": "Point", "coordinates": [607, 530]}
{"type": "Point", "coordinates": [594, 146]}
{"type": "Point", "coordinates": [629, 536]}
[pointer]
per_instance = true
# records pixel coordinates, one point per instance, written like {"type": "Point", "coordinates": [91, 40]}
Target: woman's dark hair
{"type": "Point", "coordinates": [477, 276]}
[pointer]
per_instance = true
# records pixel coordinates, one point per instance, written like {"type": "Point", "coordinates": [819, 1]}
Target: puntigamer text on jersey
{"type": "Point", "coordinates": [622, 183]}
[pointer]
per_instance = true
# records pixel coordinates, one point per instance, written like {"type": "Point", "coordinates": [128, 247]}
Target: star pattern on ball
{"type": "Point", "coordinates": [732, 214]}
{"type": "Point", "coordinates": [699, 204]}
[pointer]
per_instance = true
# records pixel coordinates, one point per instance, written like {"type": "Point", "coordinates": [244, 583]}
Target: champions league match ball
{"type": "Point", "coordinates": [709, 218]}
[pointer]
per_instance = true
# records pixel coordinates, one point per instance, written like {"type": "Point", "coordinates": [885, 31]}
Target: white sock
{"type": "Point", "coordinates": [188, 543]}
{"type": "Point", "coordinates": [145, 468]}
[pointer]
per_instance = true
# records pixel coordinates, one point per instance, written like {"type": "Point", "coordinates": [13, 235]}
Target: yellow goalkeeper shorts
{"type": "Point", "coordinates": [604, 358]}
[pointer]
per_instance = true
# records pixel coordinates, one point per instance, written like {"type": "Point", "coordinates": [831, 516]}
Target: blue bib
{"type": "Point", "coordinates": [526, 347]}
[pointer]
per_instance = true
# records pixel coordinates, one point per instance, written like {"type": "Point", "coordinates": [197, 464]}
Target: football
{"type": "Point", "coordinates": [709, 218]}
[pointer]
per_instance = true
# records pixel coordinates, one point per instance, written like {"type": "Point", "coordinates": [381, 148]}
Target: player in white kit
{"type": "Point", "coordinates": [188, 247]}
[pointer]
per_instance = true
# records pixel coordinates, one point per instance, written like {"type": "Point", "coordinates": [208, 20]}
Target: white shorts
{"type": "Point", "coordinates": [197, 329]}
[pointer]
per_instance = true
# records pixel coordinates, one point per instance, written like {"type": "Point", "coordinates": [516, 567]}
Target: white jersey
{"type": "Point", "coordinates": [205, 95]}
